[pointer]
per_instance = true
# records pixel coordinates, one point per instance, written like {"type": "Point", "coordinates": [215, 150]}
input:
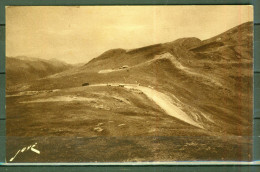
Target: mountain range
{"type": "Point", "coordinates": [23, 69]}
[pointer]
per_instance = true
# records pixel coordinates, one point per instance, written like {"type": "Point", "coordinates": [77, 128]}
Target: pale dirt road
{"type": "Point", "coordinates": [162, 100]}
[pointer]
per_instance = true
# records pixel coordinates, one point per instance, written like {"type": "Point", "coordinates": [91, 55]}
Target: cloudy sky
{"type": "Point", "coordinates": [78, 34]}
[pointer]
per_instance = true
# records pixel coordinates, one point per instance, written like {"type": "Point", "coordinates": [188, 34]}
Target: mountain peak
{"type": "Point", "coordinates": [187, 42]}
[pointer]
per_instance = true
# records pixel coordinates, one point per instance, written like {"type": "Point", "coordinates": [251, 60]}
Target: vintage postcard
{"type": "Point", "coordinates": [129, 83]}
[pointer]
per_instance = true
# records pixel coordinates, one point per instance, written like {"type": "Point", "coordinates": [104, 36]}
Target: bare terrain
{"type": "Point", "coordinates": [185, 100]}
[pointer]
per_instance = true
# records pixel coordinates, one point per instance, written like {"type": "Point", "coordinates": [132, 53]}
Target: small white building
{"type": "Point", "coordinates": [124, 67]}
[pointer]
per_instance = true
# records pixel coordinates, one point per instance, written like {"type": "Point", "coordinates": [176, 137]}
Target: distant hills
{"type": "Point", "coordinates": [25, 69]}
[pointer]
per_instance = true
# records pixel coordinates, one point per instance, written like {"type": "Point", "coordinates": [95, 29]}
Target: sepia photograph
{"type": "Point", "coordinates": [105, 84]}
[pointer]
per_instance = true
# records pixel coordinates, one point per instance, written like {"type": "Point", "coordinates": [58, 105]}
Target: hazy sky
{"type": "Point", "coordinates": [78, 34]}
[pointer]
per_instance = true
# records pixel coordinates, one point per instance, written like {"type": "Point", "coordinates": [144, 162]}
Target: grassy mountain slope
{"type": "Point", "coordinates": [209, 80]}
{"type": "Point", "coordinates": [213, 76]}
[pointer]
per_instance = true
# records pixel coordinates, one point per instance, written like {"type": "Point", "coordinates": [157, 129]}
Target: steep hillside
{"type": "Point", "coordinates": [233, 44]}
